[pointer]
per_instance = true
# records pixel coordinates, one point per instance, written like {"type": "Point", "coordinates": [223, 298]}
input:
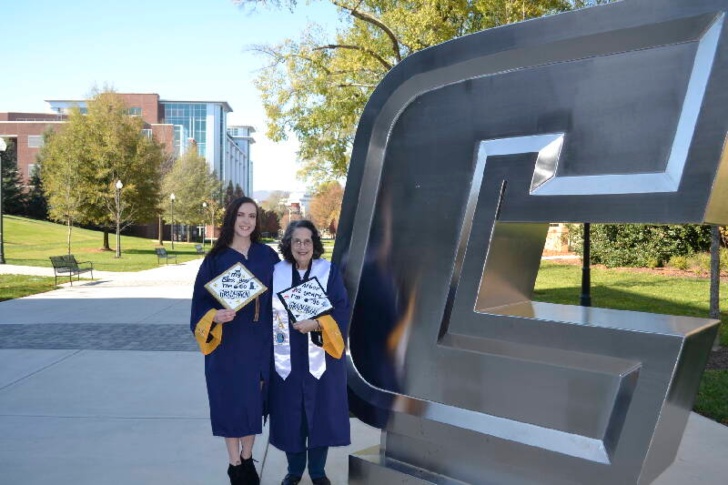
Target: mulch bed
{"type": "Point", "coordinates": [718, 359]}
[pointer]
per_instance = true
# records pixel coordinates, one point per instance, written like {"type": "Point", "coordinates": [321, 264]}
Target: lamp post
{"type": "Point", "coordinates": [171, 203]}
{"type": "Point", "coordinates": [585, 297]}
{"type": "Point", "coordinates": [119, 185]}
{"type": "Point", "coordinates": [204, 227]}
{"type": "Point", "coordinates": [3, 146]}
{"type": "Point", "coordinates": [212, 222]}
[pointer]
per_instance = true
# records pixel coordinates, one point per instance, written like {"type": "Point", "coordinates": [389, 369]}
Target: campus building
{"type": "Point", "coordinates": [174, 123]}
{"type": "Point", "coordinates": [241, 137]}
{"type": "Point", "coordinates": [298, 205]}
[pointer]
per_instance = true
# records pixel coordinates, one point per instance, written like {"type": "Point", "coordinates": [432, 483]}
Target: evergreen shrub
{"type": "Point", "coordinates": [641, 245]}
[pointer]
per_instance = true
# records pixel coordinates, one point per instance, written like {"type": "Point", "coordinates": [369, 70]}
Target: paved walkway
{"type": "Point", "coordinates": [101, 383]}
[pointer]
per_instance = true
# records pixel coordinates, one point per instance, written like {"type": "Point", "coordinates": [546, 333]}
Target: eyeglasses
{"type": "Point", "coordinates": [305, 242]}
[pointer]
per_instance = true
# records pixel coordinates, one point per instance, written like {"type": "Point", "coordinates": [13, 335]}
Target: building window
{"type": "Point", "coordinates": [35, 141]}
{"type": "Point", "coordinates": [135, 111]}
{"type": "Point", "coordinates": [192, 118]}
{"type": "Point", "coordinates": [31, 170]}
{"type": "Point", "coordinates": [147, 132]}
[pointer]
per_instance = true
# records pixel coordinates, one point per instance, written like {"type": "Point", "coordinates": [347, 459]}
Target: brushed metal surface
{"type": "Point", "coordinates": [463, 156]}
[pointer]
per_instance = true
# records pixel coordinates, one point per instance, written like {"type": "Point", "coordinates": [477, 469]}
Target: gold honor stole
{"type": "Point", "coordinates": [234, 288]}
{"type": "Point", "coordinates": [207, 333]}
{"type": "Point", "coordinates": [282, 280]}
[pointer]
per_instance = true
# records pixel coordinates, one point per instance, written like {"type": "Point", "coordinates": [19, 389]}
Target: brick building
{"type": "Point", "coordinates": [171, 122]}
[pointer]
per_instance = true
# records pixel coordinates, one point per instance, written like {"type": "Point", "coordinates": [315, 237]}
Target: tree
{"type": "Point", "coordinates": [14, 196]}
{"type": "Point", "coordinates": [92, 151]}
{"type": "Point", "coordinates": [229, 195]}
{"type": "Point", "coordinates": [213, 211]}
{"type": "Point", "coordinates": [119, 151]}
{"type": "Point", "coordinates": [65, 167]}
{"type": "Point", "coordinates": [715, 240]}
{"type": "Point", "coordinates": [37, 207]}
{"type": "Point", "coordinates": [326, 205]}
{"type": "Point", "coordinates": [192, 183]}
{"type": "Point", "coordinates": [274, 203]}
{"type": "Point", "coordinates": [316, 88]}
{"type": "Point", "coordinates": [164, 169]}
{"type": "Point", "coordinates": [269, 223]}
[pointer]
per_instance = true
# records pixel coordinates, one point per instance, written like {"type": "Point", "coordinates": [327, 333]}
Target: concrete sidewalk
{"type": "Point", "coordinates": [102, 383]}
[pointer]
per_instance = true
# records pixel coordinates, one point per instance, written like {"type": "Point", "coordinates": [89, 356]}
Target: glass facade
{"type": "Point", "coordinates": [223, 145]}
{"type": "Point", "coordinates": [192, 118]}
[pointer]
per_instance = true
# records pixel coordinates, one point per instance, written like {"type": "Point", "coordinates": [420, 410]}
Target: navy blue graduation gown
{"type": "Point", "coordinates": [234, 370]}
{"type": "Point", "coordinates": [321, 402]}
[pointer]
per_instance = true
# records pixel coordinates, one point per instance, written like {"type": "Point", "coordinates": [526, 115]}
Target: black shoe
{"type": "Point", "coordinates": [235, 472]}
{"type": "Point", "coordinates": [291, 480]}
{"type": "Point", "coordinates": [249, 475]}
{"type": "Point", "coordinates": [321, 481]}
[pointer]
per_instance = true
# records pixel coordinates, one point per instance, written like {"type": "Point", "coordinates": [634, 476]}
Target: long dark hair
{"type": "Point", "coordinates": [228, 225]}
{"type": "Point", "coordinates": [285, 245]}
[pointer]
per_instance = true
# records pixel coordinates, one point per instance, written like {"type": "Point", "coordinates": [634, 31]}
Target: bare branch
{"type": "Point", "coordinates": [279, 58]}
{"type": "Point", "coordinates": [365, 17]}
{"type": "Point", "coordinates": [370, 52]}
{"type": "Point", "coordinates": [356, 85]}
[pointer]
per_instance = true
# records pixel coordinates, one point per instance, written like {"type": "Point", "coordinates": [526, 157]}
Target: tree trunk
{"type": "Point", "coordinates": [160, 231]}
{"type": "Point", "coordinates": [189, 233]}
{"type": "Point", "coordinates": [68, 240]}
{"type": "Point", "coordinates": [107, 247]}
{"type": "Point", "coordinates": [715, 278]}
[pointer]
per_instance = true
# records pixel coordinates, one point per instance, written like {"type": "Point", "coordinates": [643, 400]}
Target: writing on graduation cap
{"type": "Point", "coordinates": [235, 287]}
{"type": "Point", "coordinates": [306, 300]}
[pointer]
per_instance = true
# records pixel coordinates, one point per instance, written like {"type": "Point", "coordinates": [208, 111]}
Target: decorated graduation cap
{"type": "Point", "coordinates": [235, 287]}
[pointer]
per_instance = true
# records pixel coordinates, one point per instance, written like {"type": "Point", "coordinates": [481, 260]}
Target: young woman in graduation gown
{"type": "Point", "coordinates": [238, 344]}
{"type": "Point", "coordinates": [308, 398]}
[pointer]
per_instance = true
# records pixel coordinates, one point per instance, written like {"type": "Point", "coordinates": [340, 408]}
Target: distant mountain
{"type": "Point", "coordinates": [261, 195]}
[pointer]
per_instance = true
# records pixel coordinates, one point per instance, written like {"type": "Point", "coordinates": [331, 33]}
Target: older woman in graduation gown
{"type": "Point", "coordinates": [237, 364]}
{"type": "Point", "coordinates": [308, 398]}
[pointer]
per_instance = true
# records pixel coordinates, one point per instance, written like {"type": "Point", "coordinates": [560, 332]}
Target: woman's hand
{"type": "Point", "coordinates": [306, 326]}
{"type": "Point", "coordinates": [223, 316]}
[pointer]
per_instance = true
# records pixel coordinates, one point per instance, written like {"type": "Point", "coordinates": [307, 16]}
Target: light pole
{"type": "Point", "coordinates": [204, 225]}
{"type": "Point", "coordinates": [119, 185]}
{"type": "Point", "coordinates": [585, 297]}
{"type": "Point", "coordinates": [3, 146]}
{"type": "Point", "coordinates": [212, 224]}
{"type": "Point", "coordinates": [171, 203]}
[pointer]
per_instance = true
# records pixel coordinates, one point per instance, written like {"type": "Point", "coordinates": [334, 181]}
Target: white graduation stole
{"type": "Point", "coordinates": [282, 280]}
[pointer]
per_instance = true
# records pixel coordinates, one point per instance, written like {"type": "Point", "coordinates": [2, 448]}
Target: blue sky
{"type": "Point", "coordinates": [179, 49]}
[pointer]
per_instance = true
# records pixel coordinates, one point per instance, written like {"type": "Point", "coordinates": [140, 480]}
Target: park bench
{"type": "Point", "coordinates": [163, 255]}
{"type": "Point", "coordinates": [199, 249]}
{"type": "Point", "coordinates": [67, 265]}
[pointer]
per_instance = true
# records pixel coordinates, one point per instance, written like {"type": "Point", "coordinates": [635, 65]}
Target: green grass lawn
{"type": "Point", "coordinates": [328, 248]}
{"type": "Point", "coordinates": [18, 286]}
{"type": "Point", "coordinates": [645, 292]}
{"type": "Point", "coordinates": [29, 242]}
{"type": "Point", "coordinates": [623, 290]}
{"type": "Point", "coordinates": [712, 401]}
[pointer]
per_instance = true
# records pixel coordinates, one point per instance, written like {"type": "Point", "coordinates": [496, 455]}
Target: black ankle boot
{"type": "Point", "coordinates": [235, 472]}
{"type": "Point", "coordinates": [249, 474]}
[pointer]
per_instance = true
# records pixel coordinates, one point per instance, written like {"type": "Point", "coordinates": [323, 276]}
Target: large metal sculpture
{"type": "Point", "coordinates": [463, 156]}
